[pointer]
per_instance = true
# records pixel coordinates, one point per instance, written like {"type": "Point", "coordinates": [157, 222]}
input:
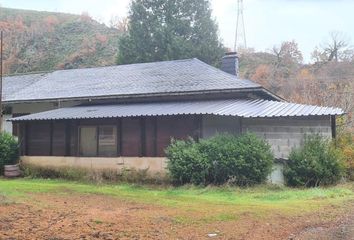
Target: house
{"type": "Point", "coordinates": [124, 116]}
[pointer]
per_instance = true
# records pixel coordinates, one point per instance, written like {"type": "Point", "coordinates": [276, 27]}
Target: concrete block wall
{"type": "Point", "coordinates": [284, 134]}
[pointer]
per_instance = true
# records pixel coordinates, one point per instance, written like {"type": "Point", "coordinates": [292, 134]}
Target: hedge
{"type": "Point", "coordinates": [241, 160]}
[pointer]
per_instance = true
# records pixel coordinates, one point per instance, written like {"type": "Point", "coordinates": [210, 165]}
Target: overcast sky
{"type": "Point", "coordinates": [267, 22]}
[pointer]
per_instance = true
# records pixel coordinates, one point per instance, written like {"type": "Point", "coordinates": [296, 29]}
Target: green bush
{"type": "Point", "coordinates": [9, 150]}
{"type": "Point", "coordinates": [186, 163]}
{"type": "Point", "coordinates": [242, 160]}
{"type": "Point", "coordinates": [316, 163]}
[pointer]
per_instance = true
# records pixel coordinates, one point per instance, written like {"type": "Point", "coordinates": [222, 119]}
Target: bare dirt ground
{"type": "Point", "coordinates": [53, 216]}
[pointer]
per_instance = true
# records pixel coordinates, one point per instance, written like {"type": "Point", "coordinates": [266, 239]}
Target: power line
{"type": "Point", "coordinates": [240, 27]}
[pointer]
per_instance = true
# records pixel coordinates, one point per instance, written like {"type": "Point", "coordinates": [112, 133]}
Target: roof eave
{"type": "Point", "coordinates": [150, 95]}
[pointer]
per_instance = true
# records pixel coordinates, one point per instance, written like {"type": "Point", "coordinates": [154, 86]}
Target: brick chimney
{"type": "Point", "coordinates": [229, 63]}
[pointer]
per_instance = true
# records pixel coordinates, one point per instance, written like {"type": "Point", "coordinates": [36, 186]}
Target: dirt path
{"type": "Point", "coordinates": [78, 216]}
{"type": "Point", "coordinates": [340, 229]}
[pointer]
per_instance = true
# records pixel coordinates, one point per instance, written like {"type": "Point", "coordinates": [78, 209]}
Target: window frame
{"type": "Point", "coordinates": [115, 139]}
{"type": "Point", "coordinates": [97, 127]}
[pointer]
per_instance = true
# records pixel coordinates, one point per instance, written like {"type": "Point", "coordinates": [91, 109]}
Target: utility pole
{"type": "Point", "coordinates": [240, 35]}
{"type": "Point", "coordinates": [1, 60]}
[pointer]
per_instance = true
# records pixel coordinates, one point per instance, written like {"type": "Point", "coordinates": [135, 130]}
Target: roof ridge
{"type": "Point", "coordinates": [97, 67]}
{"type": "Point", "coordinates": [26, 73]}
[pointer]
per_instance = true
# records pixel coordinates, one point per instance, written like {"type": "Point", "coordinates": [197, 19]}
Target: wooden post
{"type": "Point", "coordinates": [98, 141]}
{"type": "Point", "coordinates": [142, 137]}
{"type": "Point", "coordinates": [26, 139]}
{"type": "Point", "coordinates": [68, 138]}
{"type": "Point", "coordinates": [333, 127]}
{"type": "Point", "coordinates": [155, 136]}
{"type": "Point", "coordinates": [120, 138]}
{"type": "Point", "coordinates": [51, 130]}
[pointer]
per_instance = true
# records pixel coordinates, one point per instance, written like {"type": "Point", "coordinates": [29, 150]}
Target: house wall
{"type": "Point", "coordinates": [277, 176]}
{"type": "Point", "coordinates": [28, 108]}
{"type": "Point", "coordinates": [142, 141]}
{"type": "Point", "coordinates": [212, 125]}
{"type": "Point", "coordinates": [41, 106]}
{"type": "Point", "coordinates": [137, 137]}
{"type": "Point", "coordinates": [6, 125]}
{"type": "Point", "coordinates": [283, 134]}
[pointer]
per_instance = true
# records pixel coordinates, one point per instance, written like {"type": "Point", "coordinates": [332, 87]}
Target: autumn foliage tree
{"type": "Point", "coordinates": [325, 83]}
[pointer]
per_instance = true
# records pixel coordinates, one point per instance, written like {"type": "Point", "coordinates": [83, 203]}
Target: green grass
{"type": "Point", "coordinates": [215, 204]}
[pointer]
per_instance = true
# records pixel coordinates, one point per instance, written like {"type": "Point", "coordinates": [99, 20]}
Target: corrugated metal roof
{"type": "Point", "coordinates": [236, 107]}
{"type": "Point", "coordinates": [178, 76]}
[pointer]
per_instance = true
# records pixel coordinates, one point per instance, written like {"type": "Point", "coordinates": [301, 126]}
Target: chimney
{"type": "Point", "coordinates": [229, 63]}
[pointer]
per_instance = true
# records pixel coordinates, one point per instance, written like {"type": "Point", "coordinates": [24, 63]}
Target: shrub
{"type": "Point", "coordinates": [345, 143]}
{"type": "Point", "coordinates": [9, 150]}
{"type": "Point", "coordinates": [186, 163]}
{"type": "Point", "coordinates": [316, 163]}
{"type": "Point", "coordinates": [244, 160]}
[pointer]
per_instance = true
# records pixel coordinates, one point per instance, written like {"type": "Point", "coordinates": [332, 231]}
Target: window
{"type": "Point", "coordinates": [88, 141]}
{"type": "Point", "coordinates": [105, 145]}
{"type": "Point", "coordinates": [107, 141]}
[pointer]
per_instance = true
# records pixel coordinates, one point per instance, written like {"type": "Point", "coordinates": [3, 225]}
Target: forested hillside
{"type": "Point", "coordinates": [41, 41]}
{"type": "Point", "coordinates": [329, 81]}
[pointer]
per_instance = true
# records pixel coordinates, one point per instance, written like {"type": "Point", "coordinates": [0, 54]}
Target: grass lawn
{"type": "Point", "coordinates": [181, 208]}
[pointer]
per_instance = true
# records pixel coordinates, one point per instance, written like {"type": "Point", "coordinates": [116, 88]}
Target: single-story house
{"type": "Point", "coordinates": [124, 116]}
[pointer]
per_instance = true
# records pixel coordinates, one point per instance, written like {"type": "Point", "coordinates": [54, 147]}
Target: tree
{"type": "Point", "coordinates": [119, 23]}
{"type": "Point", "coordinates": [336, 49]}
{"type": "Point", "coordinates": [170, 29]}
{"type": "Point", "coordinates": [288, 53]}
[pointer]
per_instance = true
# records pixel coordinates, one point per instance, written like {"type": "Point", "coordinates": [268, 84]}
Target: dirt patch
{"type": "Point", "coordinates": [79, 216]}
{"type": "Point", "coordinates": [4, 200]}
{"type": "Point", "coordinates": [340, 228]}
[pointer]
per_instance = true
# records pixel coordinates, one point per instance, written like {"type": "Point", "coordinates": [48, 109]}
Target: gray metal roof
{"type": "Point", "coordinates": [236, 107]}
{"type": "Point", "coordinates": [16, 83]}
{"type": "Point", "coordinates": [167, 77]}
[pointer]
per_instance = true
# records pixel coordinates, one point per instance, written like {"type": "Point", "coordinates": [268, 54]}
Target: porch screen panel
{"type": "Point", "coordinates": [39, 139]}
{"type": "Point", "coordinates": [88, 141]}
{"type": "Point", "coordinates": [150, 137]}
{"type": "Point", "coordinates": [177, 127]}
{"type": "Point", "coordinates": [131, 137]}
{"type": "Point", "coordinates": [107, 141]}
{"type": "Point", "coordinates": [59, 143]}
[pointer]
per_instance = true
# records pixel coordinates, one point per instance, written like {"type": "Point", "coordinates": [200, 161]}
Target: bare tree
{"type": "Point", "coordinates": [336, 48]}
{"type": "Point", "coordinates": [119, 23]}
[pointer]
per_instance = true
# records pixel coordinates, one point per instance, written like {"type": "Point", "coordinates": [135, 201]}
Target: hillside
{"type": "Point", "coordinates": [327, 83]}
{"type": "Point", "coordinates": [42, 41]}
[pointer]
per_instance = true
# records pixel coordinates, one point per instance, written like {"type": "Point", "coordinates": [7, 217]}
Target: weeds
{"type": "Point", "coordinates": [98, 176]}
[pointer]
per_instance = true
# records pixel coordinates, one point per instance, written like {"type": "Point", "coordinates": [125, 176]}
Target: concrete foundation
{"type": "Point", "coordinates": [153, 164]}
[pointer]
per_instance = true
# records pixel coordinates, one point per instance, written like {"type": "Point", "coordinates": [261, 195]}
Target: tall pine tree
{"type": "Point", "coordinates": [170, 29]}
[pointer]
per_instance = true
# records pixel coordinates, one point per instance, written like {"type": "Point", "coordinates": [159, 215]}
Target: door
{"type": "Point", "coordinates": [88, 141]}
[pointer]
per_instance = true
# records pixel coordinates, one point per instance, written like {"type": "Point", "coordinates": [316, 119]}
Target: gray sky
{"type": "Point", "coordinates": [267, 22]}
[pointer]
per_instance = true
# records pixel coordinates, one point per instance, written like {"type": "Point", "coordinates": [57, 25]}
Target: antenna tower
{"type": "Point", "coordinates": [240, 37]}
